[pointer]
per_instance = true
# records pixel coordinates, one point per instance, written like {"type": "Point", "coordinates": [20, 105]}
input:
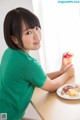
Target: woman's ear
{"type": "Point", "coordinates": [14, 39]}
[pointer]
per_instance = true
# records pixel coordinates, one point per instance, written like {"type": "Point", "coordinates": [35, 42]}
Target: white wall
{"type": "Point", "coordinates": [5, 6]}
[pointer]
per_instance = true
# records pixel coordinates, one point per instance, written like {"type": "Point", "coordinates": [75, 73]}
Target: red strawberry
{"type": "Point", "coordinates": [67, 55]}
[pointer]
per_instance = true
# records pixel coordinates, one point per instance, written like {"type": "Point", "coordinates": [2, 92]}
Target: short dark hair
{"type": "Point", "coordinates": [13, 25]}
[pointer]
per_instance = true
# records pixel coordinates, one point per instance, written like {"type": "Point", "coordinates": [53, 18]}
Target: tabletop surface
{"type": "Point", "coordinates": [51, 107]}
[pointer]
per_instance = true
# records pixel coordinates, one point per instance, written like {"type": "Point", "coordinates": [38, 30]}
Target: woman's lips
{"type": "Point", "coordinates": [37, 42]}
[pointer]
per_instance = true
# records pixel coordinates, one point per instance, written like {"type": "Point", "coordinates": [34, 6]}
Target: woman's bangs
{"type": "Point", "coordinates": [31, 22]}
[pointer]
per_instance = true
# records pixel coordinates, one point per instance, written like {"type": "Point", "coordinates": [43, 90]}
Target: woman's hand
{"type": "Point", "coordinates": [67, 68]}
{"type": "Point", "coordinates": [70, 70]}
{"type": "Point", "coordinates": [63, 65]}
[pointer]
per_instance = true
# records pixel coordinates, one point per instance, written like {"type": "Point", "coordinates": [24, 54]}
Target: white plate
{"type": "Point", "coordinates": [67, 96]}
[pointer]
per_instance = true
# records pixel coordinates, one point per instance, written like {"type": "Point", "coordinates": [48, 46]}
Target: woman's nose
{"type": "Point", "coordinates": [36, 34]}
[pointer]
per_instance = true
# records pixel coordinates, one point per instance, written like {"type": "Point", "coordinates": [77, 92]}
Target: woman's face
{"type": "Point", "coordinates": [31, 38]}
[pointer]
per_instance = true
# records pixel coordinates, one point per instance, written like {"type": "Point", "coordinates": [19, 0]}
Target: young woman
{"type": "Point", "coordinates": [20, 73]}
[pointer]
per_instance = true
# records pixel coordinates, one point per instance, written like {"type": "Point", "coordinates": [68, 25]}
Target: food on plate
{"type": "Point", "coordinates": [71, 90]}
{"type": "Point", "coordinates": [68, 57]}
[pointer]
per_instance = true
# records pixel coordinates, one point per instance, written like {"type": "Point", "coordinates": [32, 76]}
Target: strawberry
{"type": "Point", "coordinates": [68, 55]}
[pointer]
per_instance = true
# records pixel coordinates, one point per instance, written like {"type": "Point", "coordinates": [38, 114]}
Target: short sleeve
{"type": "Point", "coordinates": [35, 74]}
{"type": "Point", "coordinates": [0, 75]}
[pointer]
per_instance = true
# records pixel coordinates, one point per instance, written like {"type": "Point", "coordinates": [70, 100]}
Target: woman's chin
{"type": "Point", "coordinates": [37, 47]}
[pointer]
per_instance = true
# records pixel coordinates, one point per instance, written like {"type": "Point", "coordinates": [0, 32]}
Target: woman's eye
{"type": "Point", "coordinates": [29, 32]}
{"type": "Point", "coordinates": [37, 28]}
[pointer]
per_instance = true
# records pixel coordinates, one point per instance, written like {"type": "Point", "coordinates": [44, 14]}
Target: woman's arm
{"type": "Point", "coordinates": [63, 68]}
{"type": "Point", "coordinates": [53, 85]}
{"type": "Point", "coordinates": [53, 75]}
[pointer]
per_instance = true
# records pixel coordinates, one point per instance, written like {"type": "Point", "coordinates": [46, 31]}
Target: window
{"type": "Point", "coordinates": [61, 32]}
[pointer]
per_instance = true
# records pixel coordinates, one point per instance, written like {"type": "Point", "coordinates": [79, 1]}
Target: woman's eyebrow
{"type": "Point", "coordinates": [25, 30]}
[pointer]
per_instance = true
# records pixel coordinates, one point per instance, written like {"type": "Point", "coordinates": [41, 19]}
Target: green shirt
{"type": "Point", "coordinates": [19, 74]}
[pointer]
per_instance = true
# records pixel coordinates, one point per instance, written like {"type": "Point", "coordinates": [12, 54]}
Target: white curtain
{"type": "Point", "coordinates": [60, 32]}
